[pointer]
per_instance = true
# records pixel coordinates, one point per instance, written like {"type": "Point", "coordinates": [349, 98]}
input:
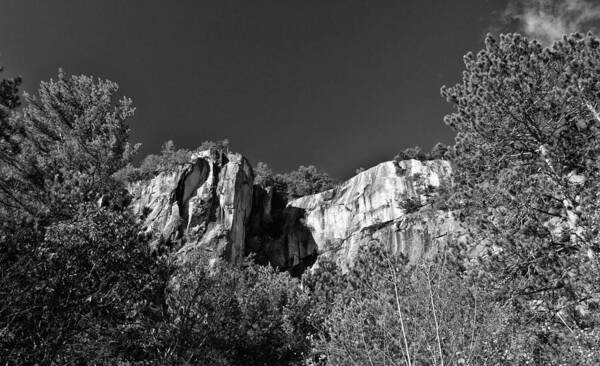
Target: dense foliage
{"type": "Point", "coordinates": [78, 293]}
{"type": "Point", "coordinates": [384, 311]}
{"type": "Point", "coordinates": [401, 314]}
{"type": "Point", "coordinates": [300, 182]}
{"type": "Point", "coordinates": [527, 181]}
{"type": "Point", "coordinates": [74, 278]}
{"type": "Point", "coordinates": [69, 139]}
{"type": "Point", "coordinates": [9, 101]}
{"type": "Point", "coordinates": [225, 315]}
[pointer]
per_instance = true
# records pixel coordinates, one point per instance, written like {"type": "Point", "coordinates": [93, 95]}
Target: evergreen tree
{"type": "Point", "coordinates": [527, 178]}
{"type": "Point", "coordinates": [76, 282]}
{"type": "Point", "coordinates": [9, 139]}
{"type": "Point", "coordinates": [300, 182]}
{"type": "Point", "coordinates": [71, 138]}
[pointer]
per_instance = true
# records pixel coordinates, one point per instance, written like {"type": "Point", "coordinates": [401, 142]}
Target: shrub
{"type": "Point", "coordinates": [383, 310]}
{"type": "Point", "coordinates": [438, 151]}
{"type": "Point", "coordinates": [249, 315]}
{"type": "Point", "coordinates": [301, 182]}
{"type": "Point", "coordinates": [73, 295]}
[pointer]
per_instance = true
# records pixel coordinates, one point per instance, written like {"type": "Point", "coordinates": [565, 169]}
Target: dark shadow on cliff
{"type": "Point", "coordinates": [277, 235]}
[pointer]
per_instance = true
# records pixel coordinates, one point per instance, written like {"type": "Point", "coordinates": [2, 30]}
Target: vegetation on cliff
{"type": "Point", "coordinates": [300, 182]}
{"type": "Point", "coordinates": [168, 159]}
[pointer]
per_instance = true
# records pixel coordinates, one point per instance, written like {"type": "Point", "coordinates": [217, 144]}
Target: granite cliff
{"type": "Point", "coordinates": [388, 204]}
{"type": "Point", "coordinates": [204, 205]}
{"type": "Point", "coordinates": [211, 204]}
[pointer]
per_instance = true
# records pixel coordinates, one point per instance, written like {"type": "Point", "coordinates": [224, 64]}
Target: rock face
{"type": "Point", "coordinates": [212, 205]}
{"type": "Point", "coordinates": [386, 204]}
{"type": "Point", "coordinates": [203, 205]}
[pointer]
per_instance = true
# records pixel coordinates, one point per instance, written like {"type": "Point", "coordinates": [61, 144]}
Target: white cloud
{"type": "Point", "coordinates": [549, 20]}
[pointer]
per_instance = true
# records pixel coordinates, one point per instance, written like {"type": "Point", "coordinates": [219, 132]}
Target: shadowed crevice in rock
{"type": "Point", "coordinates": [277, 234]}
{"type": "Point", "coordinates": [296, 249]}
{"type": "Point", "coordinates": [220, 160]}
{"type": "Point", "coordinates": [191, 179]}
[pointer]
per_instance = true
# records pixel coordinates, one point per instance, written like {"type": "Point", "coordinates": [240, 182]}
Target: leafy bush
{"type": "Point", "coordinates": [263, 175]}
{"type": "Point", "coordinates": [383, 310]}
{"type": "Point", "coordinates": [225, 315]}
{"type": "Point", "coordinates": [301, 182]}
{"type": "Point", "coordinates": [73, 295]}
{"type": "Point", "coordinates": [399, 313]}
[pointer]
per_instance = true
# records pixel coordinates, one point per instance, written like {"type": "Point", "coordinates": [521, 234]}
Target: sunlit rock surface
{"type": "Point", "coordinates": [386, 204]}
{"type": "Point", "coordinates": [212, 205]}
{"type": "Point", "coordinates": [202, 205]}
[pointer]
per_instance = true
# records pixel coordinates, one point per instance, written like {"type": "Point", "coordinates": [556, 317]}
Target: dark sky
{"type": "Point", "coordinates": [338, 84]}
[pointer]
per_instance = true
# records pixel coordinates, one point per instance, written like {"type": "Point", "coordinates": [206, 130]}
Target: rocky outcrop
{"type": "Point", "coordinates": [387, 204]}
{"type": "Point", "coordinates": [204, 205]}
{"type": "Point", "coordinates": [212, 205]}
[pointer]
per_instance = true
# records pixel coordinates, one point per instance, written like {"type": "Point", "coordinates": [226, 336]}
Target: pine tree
{"type": "Point", "coordinates": [527, 173]}
{"type": "Point", "coordinates": [76, 282]}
